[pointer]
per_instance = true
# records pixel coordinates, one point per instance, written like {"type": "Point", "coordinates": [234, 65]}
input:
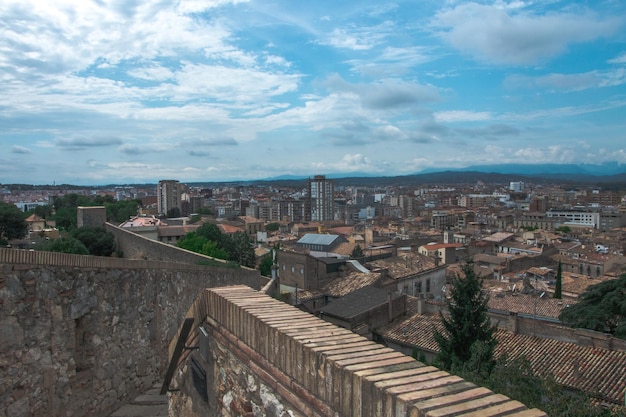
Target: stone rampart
{"type": "Point", "coordinates": [135, 246]}
{"type": "Point", "coordinates": [81, 335]}
{"type": "Point", "coordinates": [258, 356]}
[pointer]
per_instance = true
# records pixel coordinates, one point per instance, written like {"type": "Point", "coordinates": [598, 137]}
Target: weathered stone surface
{"type": "Point", "coordinates": [11, 334]}
{"type": "Point", "coordinates": [81, 341]}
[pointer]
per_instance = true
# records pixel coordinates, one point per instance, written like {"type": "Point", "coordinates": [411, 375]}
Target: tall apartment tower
{"type": "Point", "coordinates": [168, 196]}
{"type": "Point", "coordinates": [321, 199]}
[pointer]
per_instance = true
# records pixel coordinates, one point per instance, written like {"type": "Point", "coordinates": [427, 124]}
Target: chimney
{"type": "Point", "coordinates": [390, 310]}
{"type": "Point", "coordinates": [513, 322]}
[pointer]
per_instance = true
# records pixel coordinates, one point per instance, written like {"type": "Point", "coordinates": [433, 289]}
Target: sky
{"type": "Point", "coordinates": [121, 91]}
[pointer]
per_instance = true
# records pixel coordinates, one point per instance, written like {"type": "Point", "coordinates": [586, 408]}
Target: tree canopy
{"type": "Point", "coordinates": [357, 253]}
{"type": "Point", "coordinates": [65, 244]}
{"type": "Point", "coordinates": [65, 208]}
{"type": "Point", "coordinates": [209, 240]}
{"type": "Point", "coordinates": [98, 240]}
{"type": "Point", "coordinates": [272, 227]}
{"type": "Point", "coordinates": [602, 307]}
{"type": "Point", "coordinates": [12, 223]}
{"type": "Point", "coordinates": [467, 342]}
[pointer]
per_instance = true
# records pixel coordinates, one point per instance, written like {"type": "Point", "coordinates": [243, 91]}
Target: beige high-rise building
{"type": "Point", "coordinates": [320, 201]}
{"type": "Point", "coordinates": [169, 196]}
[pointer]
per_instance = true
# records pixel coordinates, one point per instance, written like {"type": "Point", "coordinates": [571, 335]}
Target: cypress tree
{"type": "Point", "coordinates": [559, 283]}
{"type": "Point", "coordinates": [467, 343]}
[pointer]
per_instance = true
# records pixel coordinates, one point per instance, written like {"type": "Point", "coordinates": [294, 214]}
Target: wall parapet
{"type": "Point", "coordinates": [20, 256]}
{"type": "Point", "coordinates": [319, 369]}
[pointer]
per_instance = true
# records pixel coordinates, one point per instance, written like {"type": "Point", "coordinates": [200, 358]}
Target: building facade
{"type": "Point", "coordinates": [169, 194]}
{"type": "Point", "coordinates": [321, 199]}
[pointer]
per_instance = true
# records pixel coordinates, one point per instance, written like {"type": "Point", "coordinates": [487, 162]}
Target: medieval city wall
{"type": "Point", "coordinates": [82, 335]}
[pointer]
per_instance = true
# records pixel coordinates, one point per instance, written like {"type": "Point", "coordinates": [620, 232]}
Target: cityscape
{"type": "Point", "coordinates": [339, 251]}
{"type": "Point", "coordinates": [290, 209]}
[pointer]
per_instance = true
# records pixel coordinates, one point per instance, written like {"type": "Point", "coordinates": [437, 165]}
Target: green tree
{"type": "Point", "coordinates": [210, 231]}
{"type": "Point", "coordinates": [602, 307]}
{"type": "Point", "coordinates": [66, 218]}
{"type": "Point", "coordinates": [467, 342]}
{"type": "Point", "coordinates": [559, 282]}
{"type": "Point", "coordinates": [98, 240]}
{"type": "Point", "coordinates": [45, 211]}
{"type": "Point", "coordinates": [65, 244]}
{"type": "Point", "coordinates": [516, 379]}
{"type": "Point", "coordinates": [564, 229]}
{"type": "Point", "coordinates": [196, 243]}
{"type": "Point", "coordinates": [265, 266]}
{"type": "Point", "coordinates": [12, 223]}
{"type": "Point", "coordinates": [357, 253]}
{"type": "Point", "coordinates": [272, 227]}
{"type": "Point", "coordinates": [120, 211]}
{"type": "Point", "coordinates": [242, 251]}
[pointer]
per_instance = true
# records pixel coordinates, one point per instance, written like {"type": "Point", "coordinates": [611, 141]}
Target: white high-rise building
{"type": "Point", "coordinates": [516, 186]}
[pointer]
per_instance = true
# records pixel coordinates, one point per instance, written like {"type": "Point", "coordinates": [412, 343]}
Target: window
{"type": "Point", "coordinates": [428, 285]}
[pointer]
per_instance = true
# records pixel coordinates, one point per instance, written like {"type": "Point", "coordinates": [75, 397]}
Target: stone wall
{"type": "Point", "coordinates": [257, 356]}
{"type": "Point", "coordinates": [134, 246]}
{"type": "Point", "coordinates": [81, 335]}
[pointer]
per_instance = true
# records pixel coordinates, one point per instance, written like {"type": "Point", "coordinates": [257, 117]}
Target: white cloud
{"type": "Point", "coordinates": [152, 73]}
{"type": "Point", "coordinates": [386, 93]}
{"type": "Point", "coordinates": [357, 38]}
{"type": "Point", "coordinates": [620, 59]}
{"type": "Point", "coordinates": [20, 149]}
{"type": "Point", "coordinates": [352, 163]}
{"type": "Point", "coordinates": [503, 36]}
{"type": "Point", "coordinates": [568, 82]}
{"type": "Point", "coordinates": [451, 116]}
{"type": "Point", "coordinates": [198, 6]}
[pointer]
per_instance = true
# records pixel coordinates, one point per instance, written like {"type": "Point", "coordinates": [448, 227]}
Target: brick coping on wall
{"type": "Point", "coordinates": [324, 368]}
{"type": "Point", "coordinates": [28, 257]}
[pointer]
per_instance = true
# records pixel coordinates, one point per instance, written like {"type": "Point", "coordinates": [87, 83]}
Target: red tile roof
{"type": "Point", "coordinates": [596, 371]}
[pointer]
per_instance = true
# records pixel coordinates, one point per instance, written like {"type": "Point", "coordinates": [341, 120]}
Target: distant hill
{"type": "Point", "coordinates": [543, 170]}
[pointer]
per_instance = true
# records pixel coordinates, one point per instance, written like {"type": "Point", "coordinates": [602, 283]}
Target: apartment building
{"type": "Point", "coordinates": [169, 196]}
{"type": "Point", "coordinates": [320, 199]}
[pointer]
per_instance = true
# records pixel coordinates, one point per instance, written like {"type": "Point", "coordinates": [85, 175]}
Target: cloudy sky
{"type": "Point", "coordinates": [121, 91]}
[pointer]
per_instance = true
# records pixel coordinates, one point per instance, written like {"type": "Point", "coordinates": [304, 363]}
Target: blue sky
{"type": "Point", "coordinates": [117, 91]}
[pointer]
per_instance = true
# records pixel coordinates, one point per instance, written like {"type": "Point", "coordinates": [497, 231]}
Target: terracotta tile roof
{"type": "Point", "coordinates": [402, 266]}
{"type": "Point", "coordinates": [173, 231]}
{"type": "Point", "coordinates": [596, 371]}
{"type": "Point", "coordinates": [228, 229]}
{"type": "Point", "coordinates": [576, 283]}
{"type": "Point", "coordinates": [528, 304]}
{"type": "Point", "coordinates": [436, 246]}
{"type": "Point", "coordinates": [34, 218]}
{"type": "Point", "coordinates": [351, 282]}
{"type": "Point", "coordinates": [344, 248]}
{"type": "Point", "coordinates": [345, 230]}
{"type": "Point", "coordinates": [498, 237]}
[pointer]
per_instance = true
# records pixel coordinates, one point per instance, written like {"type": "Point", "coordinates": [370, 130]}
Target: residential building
{"type": "Point", "coordinates": [582, 218]}
{"type": "Point", "coordinates": [169, 193]}
{"type": "Point", "coordinates": [320, 200]}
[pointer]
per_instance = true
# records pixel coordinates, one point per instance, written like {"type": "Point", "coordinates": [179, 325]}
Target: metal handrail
{"type": "Point", "coordinates": [178, 351]}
